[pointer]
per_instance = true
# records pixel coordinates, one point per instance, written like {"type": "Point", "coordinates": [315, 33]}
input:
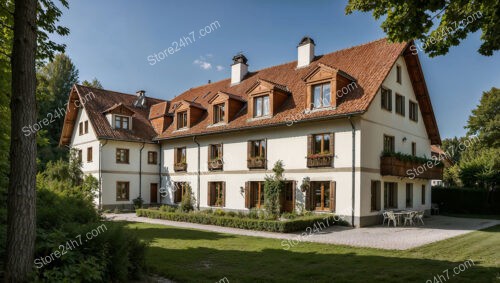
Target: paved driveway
{"type": "Point", "coordinates": [436, 228]}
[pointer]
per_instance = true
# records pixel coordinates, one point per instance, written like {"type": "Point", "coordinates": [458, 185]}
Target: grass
{"type": "Point", "coordinates": [186, 255]}
{"type": "Point", "coordinates": [478, 216]}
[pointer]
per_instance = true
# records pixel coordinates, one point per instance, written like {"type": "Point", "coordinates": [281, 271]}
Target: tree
{"type": "Point", "coordinates": [273, 187]}
{"type": "Point", "coordinates": [21, 211]}
{"type": "Point", "coordinates": [485, 119]}
{"type": "Point", "coordinates": [455, 19]}
{"type": "Point", "coordinates": [95, 83]}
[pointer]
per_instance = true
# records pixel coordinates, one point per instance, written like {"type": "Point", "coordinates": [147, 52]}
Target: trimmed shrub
{"type": "Point", "coordinates": [467, 200]}
{"type": "Point", "coordinates": [237, 222]}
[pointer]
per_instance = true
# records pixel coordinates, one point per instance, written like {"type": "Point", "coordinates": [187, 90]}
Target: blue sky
{"type": "Point", "coordinates": [111, 40]}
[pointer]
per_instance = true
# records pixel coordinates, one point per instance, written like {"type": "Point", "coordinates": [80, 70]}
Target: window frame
{"type": "Point", "coordinates": [179, 188]}
{"type": "Point", "coordinates": [80, 155]}
{"type": "Point", "coordinates": [323, 151]}
{"type": "Point", "coordinates": [127, 187]}
{"type": "Point", "coordinates": [262, 148]}
{"type": "Point", "coordinates": [219, 193]}
{"type": "Point", "coordinates": [257, 201]}
{"type": "Point", "coordinates": [182, 120]}
{"type": "Point", "coordinates": [118, 161]}
{"type": "Point", "coordinates": [322, 99]}
{"type": "Point", "coordinates": [423, 194]}
{"type": "Point", "coordinates": [86, 127]}
{"type": "Point", "coordinates": [213, 148]}
{"type": "Point", "coordinates": [392, 145]}
{"type": "Point", "coordinates": [183, 152]}
{"type": "Point", "coordinates": [89, 155]}
{"type": "Point", "coordinates": [152, 157]}
{"type": "Point", "coordinates": [398, 74]}
{"type": "Point", "coordinates": [119, 122]}
{"type": "Point", "coordinates": [390, 195]}
{"type": "Point", "coordinates": [219, 113]}
{"type": "Point", "coordinates": [409, 195]}
{"type": "Point", "coordinates": [400, 107]}
{"type": "Point", "coordinates": [324, 187]}
{"type": "Point", "coordinates": [386, 102]}
{"type": "Point", "coordinates": [414, 148]}
{"type": "Point", "coordinates": [413, 111]}
{"type": "Point", "coordinates": [80, 128]}
{"type": "Point", "coordinates": [375, 204]}
{"type": "Point", "coordinates": [255, 108]}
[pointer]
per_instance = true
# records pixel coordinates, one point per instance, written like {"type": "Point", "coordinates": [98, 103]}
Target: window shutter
{"type": "Point", "coordinates": [223, 194]}
{"type": "Point", "coordinates": [249, 149]}
{"type": "Point", "coordinates": [309, 144]}
{"type": "Point", "coordinates": [294, 188]}
{"type": "Point", "coordinates": [175, 155]}
{"type": "Point", "coordinates": [209, 152]}
{"type": "Point", "coordinates": [265, 154]}
{"type": "Point", "coordinates": [308, 199]}
{"type": "Point", "coordinates": [333, 185]}
{"type": "Point", "coordinates": [209, 194]}
{"type": "Point", "coordinates": [247, 194]}
{"type": "Point", "coordinates": [332, 144]}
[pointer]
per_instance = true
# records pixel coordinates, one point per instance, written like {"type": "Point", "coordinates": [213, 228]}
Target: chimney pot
{"type": "Point", "coordinates": [305, 52]}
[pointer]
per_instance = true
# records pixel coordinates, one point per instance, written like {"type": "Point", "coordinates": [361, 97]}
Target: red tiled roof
{"type": "Point", "coordinates": [369, 64]}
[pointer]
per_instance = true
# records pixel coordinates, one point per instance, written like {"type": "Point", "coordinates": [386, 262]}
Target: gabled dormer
{"type": "Point", "coordinates": [119, 116]}
{"type": "Point", "coordinates": [323, 83]}
{"type": "Point", "coordinates": [224, 107]}
{"type": "Point", "coordinates": [265, 97]}
{"type": "Point", "coordinates": [159, 117]}
{"type": "Point", "coordinates": [187, 114]}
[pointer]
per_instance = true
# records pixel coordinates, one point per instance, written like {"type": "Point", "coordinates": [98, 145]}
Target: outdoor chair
{"type": "Point", "coordinates": [419, 217]}
{"type": "Point", "coordinates": [391, 217]}
{"type": "Point", "coordinates": [409, 218]}
{"type": "Point", "coordinates": [434, 208]}
{"type": "Point", "coordinates": [384, 214]}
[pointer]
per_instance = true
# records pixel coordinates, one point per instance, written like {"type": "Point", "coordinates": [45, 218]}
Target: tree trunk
{"type": "Point", "coordinates": [21, 207]}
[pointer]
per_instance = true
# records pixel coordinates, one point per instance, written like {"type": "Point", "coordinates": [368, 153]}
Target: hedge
{"type": "Point", "coordinates": [243, 223]}
{"type": "Point", "coordinates": [466, 200]}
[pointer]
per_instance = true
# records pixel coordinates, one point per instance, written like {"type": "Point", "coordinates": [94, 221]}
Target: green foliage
{"type": "Point", "coordinates": [485, 119]}
{"type": "Point", "coordinates": [480, 168]}
{"type": "Point", "coordinates": [451, 176]}
{"type": "Point", "coordinates": [297, 224]}
{"type": "Point", "coordinates": [167, 208]}
{"type": "Point", "coordinates": [273, 186]}
{"type": "Point", "coordinates": [138, 202]}
{"type": "Point", "coordinates": [95, 83]}
{"type": "Point", "coordinates": [187, 202]}
{"type": "Point", "coordinates": [408, 20]}
{"type": "Point", "coordinates": [408, 157]}
{"type": "Point", "coordinates": [467, 200]}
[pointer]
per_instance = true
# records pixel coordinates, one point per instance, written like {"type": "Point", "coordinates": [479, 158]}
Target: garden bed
{"type": "Point", "coordinates": [237, 221]}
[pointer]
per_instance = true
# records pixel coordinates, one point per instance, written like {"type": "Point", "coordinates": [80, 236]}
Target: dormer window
{"type": "Point", "coordinates": [219, 113]}
{"type": "Point", "coordinates": [321, 95]}
{"type": "Point", "coordinates": [121, 122]}
{"type": "Point", "coordinates": [182, 120]}
{"type": "Point", "coordinates": [261, 106]}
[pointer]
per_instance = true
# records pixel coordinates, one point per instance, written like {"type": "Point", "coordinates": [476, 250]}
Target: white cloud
{"type": "Point", "coordinates": [203, 64]}
{"type": "Point", "coordinates": [219, 68]}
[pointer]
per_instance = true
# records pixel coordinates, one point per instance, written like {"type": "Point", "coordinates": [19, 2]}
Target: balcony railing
{"type": "Point", "coordinates": [393, 166]}
{"type": "Point", "coordinates": [257, 163]}
{"type": "Point", "coordinates": [214, 165]}
{"type": "Point", "coordinates": [319, 161]}
{"type": "Point", "coordinates": [179, 167]}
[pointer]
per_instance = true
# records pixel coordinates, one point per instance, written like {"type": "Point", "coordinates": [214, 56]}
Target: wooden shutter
{"type": "Point", "coordinates": [209, 194]}
{"type": "Point", "coordinates": [332, 143]}
{"type": "Point", "coordinates": [294, 187]}
{"type": "Point", "coordinates": [332, 195]}
{"type": "Point", "coordinates": [249, 149]}
{"type": "Point", "coordinates": [308, 200]}
{"type": "Point", "coordinates": [247, 195]}
{"type": "Point", "coordinates": [175, 155]}
{"type": "Point", "coordinates": [223, 194]}
{"type": "Point", "coordinates": [309, 144]}
{"type": "Point", "coordinates": [265, 154]}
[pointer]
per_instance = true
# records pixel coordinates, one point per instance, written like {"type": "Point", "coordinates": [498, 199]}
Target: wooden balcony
{"type": "Point", "coordinates": [392, 166]}
{"type": "Point", "coordinates": [215, 165]}
{"type": "Point", "coordinates": [180, 167]}
{"type": "Point", "coordinates": [314, 161]}
{"type": "Point", "coordinates": [257, 163]}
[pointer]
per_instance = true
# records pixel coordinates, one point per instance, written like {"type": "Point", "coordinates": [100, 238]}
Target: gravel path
{"type": "Point", "coordinates": [436, 228]}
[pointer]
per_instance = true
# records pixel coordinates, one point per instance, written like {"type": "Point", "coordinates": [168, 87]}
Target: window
{"type": "Point", "coordinates": [321, 195]}
{"type": "Point", "coordinates": [257, 194]}
{"type": "Point", "coordinates": [216, 194]}
{"type": "Point", "coordinates": [80, 155]}
{"type": "Point", "coordinates": [423, 194]}
{"type": "Point", "coordinates": [219, 113]}
{"type": "Point", "coordinates": [86, 127]}
{"type": "Point", "coordinates": [80, 128]}
{"type": "Point", "coordinates": [321, 144]}
{"type": "Point", "coordinates": [398, 74]}
{"type": "Point", "coordinates": [414, 148]}
{"type": "Point", "coordinates": [122, 191]}
{"type": "Point", "coordinates": [89, 154]}
{"type": "Point", "coordinates": [180, 155]}
{"type": "Point", "coordinates": [321, 95]}
{"type": "Point", "coordinates": [258, 148]}
{"type": "Point", "coordinates": [375, 196]}
{"type": "Point", "coordinates": [182, 120]}
{"type": "Point", "coordinates": [390, 195]}
{"type": "Point", "coordinates": [152, 157]}
{"type": "Point", "coordinates": [413, 111]}
{"type": "Point", "coordinates": [400, 104]}
{"type": "Point", "coordinates": [409, 195]}
{"type": "Point", "coordinates": [215, 152]}
{"type": "Point", "coordinates": [386, 99]}
{"type": "Point", "coordinates": [389, 143]}
{"type": "Point", "coordinates": [261, 106]}
{"type": "Point", "coordinates": [121, 122]}
{"type": "Point", "coordinates": [180, 189]}
{"type": "Point", "coordinates": [122, 155]}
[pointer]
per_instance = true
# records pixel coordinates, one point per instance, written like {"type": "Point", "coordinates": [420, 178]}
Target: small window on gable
{"type": "Point", "coordinates": [413, 111]}
{"type": "Point", "coordinates": [219, 113]}
{"type": "Point", "coordinates": [400, 104]}
{"type": "Point", "coordinates": [386, 95]}
{"type": "Point", "coordinates": [261, 106]}
{"type": "Point", "coordinates": [321, 95]}
{"type": "Point", "coordinates": [398, 74]}
{"type": "Point", "coordinates": [122, 122]}
{"type": "Point", "coordinates": [182, 120]}
{"type": "Point", "coordinates": [80, 128]}
{"type": "Point", "coordinates": [86, 127]}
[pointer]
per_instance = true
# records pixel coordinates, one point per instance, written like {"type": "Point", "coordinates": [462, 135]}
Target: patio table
{"type": "Point", "coordinates": [401, 213]}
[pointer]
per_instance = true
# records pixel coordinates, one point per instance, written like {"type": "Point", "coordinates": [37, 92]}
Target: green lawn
{"type": "Point", "coordinates": [186, 255]}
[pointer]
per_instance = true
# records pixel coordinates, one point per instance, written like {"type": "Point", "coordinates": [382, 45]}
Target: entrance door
{"type": "Point", "coordinates": [288, 197]}
{"type": "Point", "coordinates": [153, 193]}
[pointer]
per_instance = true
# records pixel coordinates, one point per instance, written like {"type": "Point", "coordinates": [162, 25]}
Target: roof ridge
{"type": "Point", "coordinates": [117, 92]}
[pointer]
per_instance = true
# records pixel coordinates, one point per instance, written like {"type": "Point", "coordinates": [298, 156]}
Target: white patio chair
{"type": "Point", "coordinates": [391, 217]}
{"type": "Point", "coordinates": [409, 218]}
{"type": "Point", "coordinates": [384, 214]}
{"type": "Point", "coordinates": [419, 216]}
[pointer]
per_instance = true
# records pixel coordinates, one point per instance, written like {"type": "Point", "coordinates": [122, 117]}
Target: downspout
{"type": "Point", "coordinates": [353, 168]}
{"type": "Point", "coordinates": [140, 169]}
{"type": "Point", "coordinates": [197, 176]}
{"type": "Point", "coordinates": [159, 170]}
{"type": "Point", "coordinates": [101, 145]}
